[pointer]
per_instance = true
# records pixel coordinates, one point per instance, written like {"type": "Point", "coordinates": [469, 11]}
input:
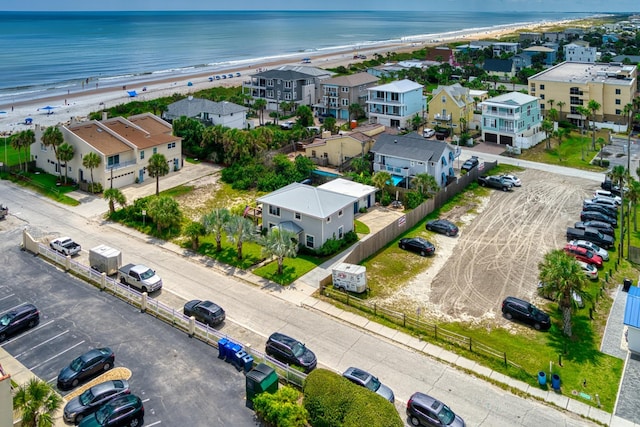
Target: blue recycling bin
{"type": "Point", "coordinates": [555, 382]}
{"type": "Point", "coordinates": [231, 348]}
{"type": "Point", "coordinates": [237, 358]}
{"type": "Point", "coordinates": [542, 378]}
{"type": "Point", "coordinates": [222, 342]}
{"type": "Point", "coordinates": [247, 363]}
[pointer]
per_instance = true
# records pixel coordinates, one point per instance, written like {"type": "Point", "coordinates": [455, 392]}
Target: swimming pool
{"type": "Point", "coordinates": [327, 174]}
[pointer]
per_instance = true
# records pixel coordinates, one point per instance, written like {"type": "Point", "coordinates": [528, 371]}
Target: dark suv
{"type": "Point", "coordinates": [515, 308]}
{"type": "Point", "coordinates": [290, 351]}
{"type": "Point", "coordinates": [205, 312]}
{"type": "Point", "coordinates": [470, 163]}
{"type": "Point", "coordinates": [24, 317]}
{"type": "Point", "coordinates": [424, 410]}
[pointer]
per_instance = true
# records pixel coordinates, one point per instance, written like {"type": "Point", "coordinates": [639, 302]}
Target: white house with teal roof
{"type": "Point", "coordinates": [313, 213]}
{"type": "Point", "coordinates": [395, 104]}
{"type": "Point", "coordinates": [512, 119]}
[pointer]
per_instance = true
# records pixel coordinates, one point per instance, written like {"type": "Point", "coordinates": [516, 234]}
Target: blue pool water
{"type": "Point", "coordinates": [328, 174]}
{"type": "Point", "coordinates": [396, 180]}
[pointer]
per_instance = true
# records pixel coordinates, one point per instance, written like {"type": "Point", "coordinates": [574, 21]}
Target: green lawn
{"type": "Point", "coordinates": [361, 228]}
{"type": "Point", "coordinates": [251, 252]}
{"type": "Point", "coordinates": [11, 154]}
{"type": "Point", "coordinates": [293, 268]}
{"type": "Point", "coordinates": [46, 184]}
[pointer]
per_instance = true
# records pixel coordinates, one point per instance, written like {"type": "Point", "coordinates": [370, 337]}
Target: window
{"type": "Point", "coordinates": [155, 150]}
{"type": "Point", "coordinates": [269, 82]}
{"type": "Point", "coordinates": [617, 102]}
{"type": "Point", "coordinates": [340, 232]}
{"type": "Point", "coordinates": [310, 241]}
{"type": "Point", "coordinates": [274, 210]}
{"type": "Point", "coordinates": [345, 102]}
{"type": "Point", "coordinates": [339, 213]}
{"type": "Point", "coordinates": [618, 112]}
{"type": "Point", "coordinates": [142, 155]}
{"type": "Point", "coordinates": [270, 94]}
{"type": "Point", "coordinates": [287, 96]}
{"type": "Point", "coordinates": [617, 91]}
{"type": "Point", "coordinates": [113, 160]}
{"type": "Point", "coordinates": [542, 96]}
{"type": "Point", "coordinates": [288, 84]}
{"type": "Point", "coordinates": [394, 96]}
{"type": "Point", "coordinates": [297, 216]}
{"type": "Point", "coordinates": [444, 99]}
{"type": "Point", "coordinates": [344, 89]}
{"type": "Point", "coordinates": [541, 87]}
{"type": "Point", "coordinates": [43, 147]}
{"type": "Point", "coordinates": [328, 219]}
{"type": "Point", "coordinates": [171, 145]}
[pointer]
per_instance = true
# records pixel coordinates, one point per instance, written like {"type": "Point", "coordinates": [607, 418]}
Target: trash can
{"type": "Point", "coordinates": [262, 378]}
{"type": "Point", "coordinates": [237, 359]}
{"type": "Point", "coordinates": [222, 342]}
{"type": "Point", "coordinates": [626, 285]}
{"type": "Point", "coordinates": [542, 378]}
{"type": "Point", "coordinates": [247, 363]}
{"type": "Point", "coordinates": [231, 349]}
{"type": "Point", "coordinates": [555, 382]}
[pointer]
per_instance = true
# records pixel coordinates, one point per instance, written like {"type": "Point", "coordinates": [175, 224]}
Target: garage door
{"type": "Point", "coordinates": [490, 137]}
{"type": "Point", "coordinates": [506, 140]}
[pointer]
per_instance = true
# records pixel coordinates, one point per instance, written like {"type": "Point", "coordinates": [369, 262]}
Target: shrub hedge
{"type": "Point", "coordinates": [333, 401]}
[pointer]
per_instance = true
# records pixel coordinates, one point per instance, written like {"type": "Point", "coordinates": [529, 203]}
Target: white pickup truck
{"type": "Point", "coordinates": [65, 245]}
{"type": "Point", "coordinates": [140, 276]}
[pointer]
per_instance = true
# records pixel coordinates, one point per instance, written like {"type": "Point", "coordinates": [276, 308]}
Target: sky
{"type": "Point", "coordinates": [401, 5]}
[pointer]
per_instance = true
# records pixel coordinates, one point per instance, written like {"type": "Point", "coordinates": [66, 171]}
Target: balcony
{"type": "Point", "coordinates": [120, 165]}
{"type": "Point", "coordinates": [442, 117]}
{"type": "Point", "coordinates": [398, 171]}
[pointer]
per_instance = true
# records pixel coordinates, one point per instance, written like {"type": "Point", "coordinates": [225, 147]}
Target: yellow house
{"type": "Point", "coordinates": [570, 85]}
{"type": "Point", "coordinates": [334, 150]}
{"type": "Point", "coordinates": [451, 107]}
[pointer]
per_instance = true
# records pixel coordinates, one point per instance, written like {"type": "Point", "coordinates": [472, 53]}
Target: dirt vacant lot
{"type": "Point", "coordinates": [498, 250]}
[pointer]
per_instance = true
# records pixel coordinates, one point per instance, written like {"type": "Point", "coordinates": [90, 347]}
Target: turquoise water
{"type": "Point", "coordinates": [327, 174]}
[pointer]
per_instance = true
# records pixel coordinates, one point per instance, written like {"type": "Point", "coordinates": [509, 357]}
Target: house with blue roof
{"type": "Point", "coordinates": [314, 214]}
{"type": "Point", "coordinates": [632, 319]}
{"type": "Point", "coordinates": [405, 156]}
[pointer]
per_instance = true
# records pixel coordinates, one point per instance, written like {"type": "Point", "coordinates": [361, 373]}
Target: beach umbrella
{"type": "Point", "coordinates": [48, 108]}
{"type": "Point", "coordinates": [132, 93]}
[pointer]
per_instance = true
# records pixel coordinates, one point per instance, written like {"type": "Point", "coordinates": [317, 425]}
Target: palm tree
{"type": "Point", "coordinates": [91, 161]}
{"type": "Point", "coordinates": [601, 142]}
{"type": "Point", "coordinates": [52, 137]}
{"type": "Point", "coordinates": [113, 196]}
{"type": "Point", "coordinates": [562, 277]}
{"type": "Point", "coordinates": [193, 231]}
{"type": "Point", "coordinates": [634, 197]}
{"type": "Point", "coordinates": [38, 402]}
{"type": "Point", "coordinates": [551, 102]}
{"type": "Point", "coordinates": [239, 229]}
{"type": "Point", "coordinates": [260, 104]}
{"type": "Point", "coordinates": [280, 244]}
{"type": "Point", "coordinates": [560, 104]}
{"type": "Point", "coordinates": [584, 113]}
{"type": "Point", "coordinates": [214, 223]}
{"type": "Point", "coordinates": [66, 153]}
{"type": "Point", "coordinates": [380, 180]}
{"type": "Point", "coordinates": [547, 128]}
{"type": "Point", "coordinates": [593, 107]}
{"type": "Point", "coordinates": [425, 183]}
{"type": "Point", "coordinates": [157, 167]}
{"type": "Point", "coordinates": [21, 140]}
{"type": "Point", "coordinates": [165, 212]}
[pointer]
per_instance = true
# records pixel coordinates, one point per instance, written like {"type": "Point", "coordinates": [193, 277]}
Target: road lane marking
{"type": "Point", "coordinates": [26, 333]}
{"type": "Point", "coordinates": [53, 357]}
{"type": "Point", "coordinates": [8, 296]}
{"type": "Point", "coordinates": [38, 345]}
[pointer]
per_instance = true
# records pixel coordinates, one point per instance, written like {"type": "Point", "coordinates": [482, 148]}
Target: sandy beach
{"type": "Point", "coordinates": [79, 104]}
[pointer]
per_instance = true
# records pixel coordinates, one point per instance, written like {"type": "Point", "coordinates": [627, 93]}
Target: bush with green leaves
{"type": "Point", "coordinates": [333, 401]}
{"type": "Point", "coordinates": [413, 199]}
{"type": "Point", "coordinates": [95, 188]}
{"type": "Point", "coordinates": [281, 408]}
{"type": "Point", "coordinates": [385, 200]}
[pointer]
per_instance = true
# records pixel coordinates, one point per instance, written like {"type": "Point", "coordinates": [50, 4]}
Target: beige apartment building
{"type": "Point", "coordinates": [569, 85]}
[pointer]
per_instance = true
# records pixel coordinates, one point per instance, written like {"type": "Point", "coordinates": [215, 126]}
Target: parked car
{"type": "Point", "coordinates": [470, 163]}
{"type": "Point", "coordinates": [589, 270]}
{"type": "Point", "coordinates": [230, 75]}
{"type": "Point", "coordinates": [442, 133]}
{"type": "Point", "coordinates": [428, 133]}
{"type": "Point", "coordinates": [607, 194]}
{"type": "Point", "coordinates": [18, 319]}
{"type": "Point", "coordinates": [608, 185]}
{"type": "Point", "coordinates": [93, 398]}
{"type": "Point", "coordinates": [602, 227]}
{"type": "Point", "coordinates": [291, 351]}
{"type": "Point", "coordinates": [417, 245]}
{"type": "Point", "coordinates": [604, 254]}
{"type": "Point", "coordinates": [514, 180]}
{"type": "Point", "coordinates": [205, 312]}
{"type": "Point", "coordinates": [366, 380]}
{"type": "Point", "coordinates": [577, 298]}
{"type": "Point", "coordinates": [582, 254]}
{"type": "Point", "coordinates": [598, 216]}
{"type": "Point", "coordinates": [442, 226]}
{"type": "Point", "coordinates": [126, 410]}
{"type": "Point", "coordinates": [85, 367]}
{"type": "Point", "coordinates": [424, 410]}
{"type": "Point", "coordinates": [591, 206]}
{"type": "Point", "coordinates": [238, 74]}
{"type": "Point", "coordinates": [288, 125]}
{"type": "Point", "coordinates": [524, 311]}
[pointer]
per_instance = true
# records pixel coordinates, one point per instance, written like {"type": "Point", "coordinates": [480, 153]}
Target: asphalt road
{"type": "Point", "coordinates": [254, 313]}
{"type": "Point", "coordinates": [179, 379]}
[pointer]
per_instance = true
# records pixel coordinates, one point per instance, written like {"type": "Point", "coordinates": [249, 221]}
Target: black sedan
{"type": "Point", "coordinates": [85, 367]}
{"type": "Point", "coordinates": [597, 216]}
{"type": "Point", "coordinates": [602, 227]}
{"type": "Point", "coordinates": [205, 312]}
{"type": "Point", "coordinates": [442, 226]}
{"type": "Point", "coordinates": [92, 399]}
{"type": "Point", "coordinates": [24, 317]}
{"type": "Point", "coordinates": [417, 245]}
{"type": "Point", "coordinates": [126, 410]}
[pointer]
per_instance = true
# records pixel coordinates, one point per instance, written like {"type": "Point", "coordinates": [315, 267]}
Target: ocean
{"type": "Point", "coordinates": [46, 54]}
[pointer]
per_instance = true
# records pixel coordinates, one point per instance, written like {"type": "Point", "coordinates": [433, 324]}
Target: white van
{"type": "Point", "coordinates": [350, 277]}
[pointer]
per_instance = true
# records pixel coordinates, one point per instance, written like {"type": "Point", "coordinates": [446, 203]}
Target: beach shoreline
{"type": "Point", "coordinates": [78, 104]}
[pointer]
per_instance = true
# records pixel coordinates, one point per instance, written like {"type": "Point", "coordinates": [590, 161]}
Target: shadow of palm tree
{"type": "Point", "coordinates": [581, 346]}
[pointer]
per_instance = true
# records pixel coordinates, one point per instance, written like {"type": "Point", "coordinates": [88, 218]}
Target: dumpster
{"type": "Point", "coordinates": [542, 378]}
{"type": "Point", "coordinates": [626, 285]}
{"type": "Point", "coordinates": [555, 382]}
{"type": "Point", "coordinates": [262, 378]}
{"type": "Point", "coordinates": [222, 342]}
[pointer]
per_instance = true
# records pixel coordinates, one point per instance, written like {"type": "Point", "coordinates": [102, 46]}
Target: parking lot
{"type": "Point", "coordinates": [179, 379]}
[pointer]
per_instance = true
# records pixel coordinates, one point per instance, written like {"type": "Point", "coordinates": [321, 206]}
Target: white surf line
{"type": "Point", "coordinates": [38, 345]}
{"type": "Point", "coordinates": [53, 357]}
{"type": "Point", "coordinates": [26, 333]}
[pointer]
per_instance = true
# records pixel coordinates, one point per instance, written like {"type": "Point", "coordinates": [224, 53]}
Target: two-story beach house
{"type": "Point", "coordinates": [580, 52]}
{"type": "Point", "coordinates": [512, 119]}
{"type": "Point", "coordinates": [339, 93]}
{"type": "Point", "coordinates": [123, 145]}
{"type": "Point", "coordinates": [312, 213]}
{"type": "Point", "coordinates": [405, 156]}
{"type": "Point", "coordinates": [210, 113]}
{"type": "Point", "coordinates": [335, 150]}
{"type": "Point", "coordinates": [288, 83]}
{"type": "Point", "coordinates": [395, 104]}
{"type": "Point", "coordinates": [451, 107]}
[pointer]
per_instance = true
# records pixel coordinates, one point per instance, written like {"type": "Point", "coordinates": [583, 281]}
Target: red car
{"type": "Point", "coordinates": [585, 255]}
